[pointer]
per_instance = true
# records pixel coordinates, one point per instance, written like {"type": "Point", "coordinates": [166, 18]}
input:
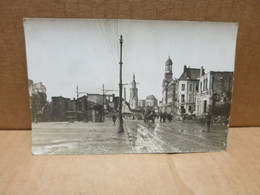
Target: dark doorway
{"type": "Point", "coordinates": [182, 98]}
{"type": "Point", "coordinates": [183, 109]}
{"type": "Point", "coordinates": [205, 106]}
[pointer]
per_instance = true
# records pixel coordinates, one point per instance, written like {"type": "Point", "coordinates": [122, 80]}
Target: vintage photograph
{"type": "Point", "coordinates": [109, 86]}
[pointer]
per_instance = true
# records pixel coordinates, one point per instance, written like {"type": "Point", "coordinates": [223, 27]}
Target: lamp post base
{"type": "Point", "coordinates": [120, 128]}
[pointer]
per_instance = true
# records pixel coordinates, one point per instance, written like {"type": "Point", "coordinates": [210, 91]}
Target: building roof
{"type": "Point", "coordinates": [190, 74]}
{"type": "Point", "coordinates": [168, 61]}
{"type": "Point", "coordinates": [172, 82]}
{"type": "Point", "coordinates": [94, 94]}
{"type": "Point", "coordinates": [59, 97]}
{"type": "Point", "coordinates": [134, 98]}
{"type": "Point", "coordinates": [126, 107]}
{"type": "Point", "coordinates": [222, 72]}
{"type": "Point", "coordinates": [133, 76]}
{"type": "Point", "coordinates": [150, 97]}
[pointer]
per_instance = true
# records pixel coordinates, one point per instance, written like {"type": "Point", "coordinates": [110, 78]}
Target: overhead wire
{"type": "Point", "coordinates": [109, 36]}
{"type": "Point", "coordinates": [103, 33]}
{"type": "Point", "coordinates": [106, 37]}
{"type": "Point", "coordinates": [117, 39]}
{"type": "Point", "coordinates": [114, 36]}
{"type": "Point", "coordinates": [112, 31]}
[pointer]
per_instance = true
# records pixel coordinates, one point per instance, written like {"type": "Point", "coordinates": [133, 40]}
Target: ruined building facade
{"type": "Point", "coordinates": [215, 91]}
{"type": "Point", "coordinates": [195, 92]}
{"type": "Point", "coordinates": [38, 101]}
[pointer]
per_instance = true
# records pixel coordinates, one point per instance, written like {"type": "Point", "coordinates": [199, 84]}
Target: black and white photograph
{"type": "Point", "coordinates": [111, 86]}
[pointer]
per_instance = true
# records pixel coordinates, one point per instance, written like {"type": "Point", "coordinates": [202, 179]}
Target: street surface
{"type": "Point", "coordinates": [139, 137]}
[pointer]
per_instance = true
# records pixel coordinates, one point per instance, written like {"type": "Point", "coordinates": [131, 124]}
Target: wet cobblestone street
{"type": "Point", "coordinates": [139, 137]}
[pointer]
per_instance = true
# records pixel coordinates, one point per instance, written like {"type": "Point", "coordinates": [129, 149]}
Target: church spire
{"type": "Point", "coordinates": [133, 94]}
{"type": "Point", "coordinates": [133, 82]}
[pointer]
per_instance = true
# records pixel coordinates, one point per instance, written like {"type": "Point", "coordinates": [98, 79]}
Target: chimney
{"type": "Point", "coordinates": [184, 68]}
{"type": "Point", "coordinates": [201, 71]}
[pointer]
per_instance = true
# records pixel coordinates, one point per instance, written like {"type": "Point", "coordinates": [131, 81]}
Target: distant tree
{"type": "Point", "coordinates": [38, 102]}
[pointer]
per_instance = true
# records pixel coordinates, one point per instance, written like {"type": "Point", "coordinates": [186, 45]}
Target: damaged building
{"type": "Point", "coordinates": [215, 91]}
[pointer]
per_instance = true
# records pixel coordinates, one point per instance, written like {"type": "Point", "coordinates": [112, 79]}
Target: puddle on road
{"type": "Point", "coordinates": [146, 140]}
{"type": "Point", "coordinates": [53, 149]}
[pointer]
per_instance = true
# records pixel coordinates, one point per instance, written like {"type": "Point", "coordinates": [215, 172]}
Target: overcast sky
{"type": "Point", "coordinates": [65, 53]}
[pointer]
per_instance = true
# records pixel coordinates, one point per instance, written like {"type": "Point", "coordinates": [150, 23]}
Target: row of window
{"type": "Point", "coordinates": [190, 100]}
{"type": "Point", "coordinates": [204, 87]}
{"type": "Point", "coordinates": [205, 84]}
{"type": "Point", "coordinates": [190, 87]}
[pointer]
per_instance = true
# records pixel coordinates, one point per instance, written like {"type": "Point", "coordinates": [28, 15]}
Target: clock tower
{"type": "Point", "coordinates": [167, 79]}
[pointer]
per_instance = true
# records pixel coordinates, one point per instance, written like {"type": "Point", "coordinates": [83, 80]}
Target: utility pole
{"type": "Point", "coordinates": [77, 98]}
{"type": "Point", "coordinates": [103, 110]}
{"type": "Point", "coordinates": [77, 92]}
{"type": "Point", "coordinates": [120, 127]}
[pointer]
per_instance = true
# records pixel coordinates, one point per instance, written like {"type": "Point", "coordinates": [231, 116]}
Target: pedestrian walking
{"type": "Point", "coordinates": [164, 116]}
{"type": "Point", "coordinates": [208, 121]}
{"type": "Point", "coordinates": [114, 119]}
{"type": "Point", "coordinates": [161, 116]}
{"type": "Point", "coordinates": [153, 116]}
{"type": "Point", "coordinates": [169, 117]}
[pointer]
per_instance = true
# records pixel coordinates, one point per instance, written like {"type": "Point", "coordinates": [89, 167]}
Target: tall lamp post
{"type": "Point", "coordinates": [120, 126]}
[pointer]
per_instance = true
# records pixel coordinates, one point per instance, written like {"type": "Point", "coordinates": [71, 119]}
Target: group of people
{"type": "Point", "coordinates": [149, 115]}
{"type": "Point", "coordinates": [163, 116]}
